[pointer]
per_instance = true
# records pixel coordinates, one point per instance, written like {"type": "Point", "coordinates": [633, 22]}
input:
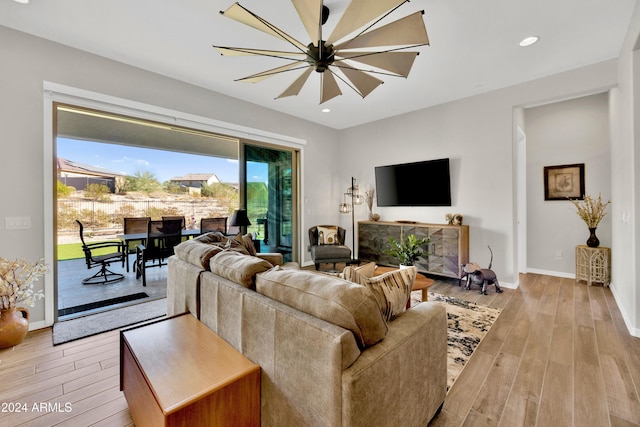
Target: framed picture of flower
{"type": "Point", "coordinates": [564, 182]}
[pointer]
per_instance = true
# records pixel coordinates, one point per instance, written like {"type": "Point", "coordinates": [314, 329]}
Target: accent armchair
{"type": "Point", "coordinates": [326, 244]}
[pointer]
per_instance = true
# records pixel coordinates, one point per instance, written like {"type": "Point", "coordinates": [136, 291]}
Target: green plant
{"type": "Point", "coordinates": [99, 192]}
{"type": "Point", "coordinates": [64, 190]}
{"type": "Point", "coordinates": [408, 251]}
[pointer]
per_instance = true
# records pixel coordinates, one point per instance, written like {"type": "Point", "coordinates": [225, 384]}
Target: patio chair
{"type": "Point", "coordinates": [176, 217]}
{"type": "Point", "coordinates": [94, 254]}
{"type": "Point", "coordinates": [135, 225]}
{"type": "Point", "coordinates": [162, 237]}
{"type": "Point", "coordinates": [207, 225]}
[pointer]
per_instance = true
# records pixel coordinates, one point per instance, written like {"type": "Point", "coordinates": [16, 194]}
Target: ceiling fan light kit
{"type": "Point", "coordinates": [384, 47]}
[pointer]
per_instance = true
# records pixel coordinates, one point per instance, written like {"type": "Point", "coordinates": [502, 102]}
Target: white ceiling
{"type": "Point", "coordinates": [474, 46]}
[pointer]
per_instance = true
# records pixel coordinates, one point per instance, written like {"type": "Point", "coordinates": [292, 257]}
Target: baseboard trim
{"type": "Point", "coordinates": [552, 273]}
{"type": "Point", "coordinates": [635, 332]}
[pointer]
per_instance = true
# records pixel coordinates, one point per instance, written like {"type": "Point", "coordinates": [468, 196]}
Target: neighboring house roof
{"type": "Point", "coordinates": [196, 177]}
{"type": "Point", "coordinates": [69, 166]}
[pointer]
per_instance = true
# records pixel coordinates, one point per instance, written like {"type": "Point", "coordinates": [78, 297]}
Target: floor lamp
{"type": "Point", "coordinates": [352, 198]}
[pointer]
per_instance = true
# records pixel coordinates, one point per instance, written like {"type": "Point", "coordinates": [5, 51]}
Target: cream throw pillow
{"type": "Point", "coordinates": [391, 290]}
{"type": "Point", "coordinates": [328, 235]}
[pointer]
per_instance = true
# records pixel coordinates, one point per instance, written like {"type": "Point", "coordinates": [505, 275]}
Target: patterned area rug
{"type": "Point", "coordinates": [467, 324]}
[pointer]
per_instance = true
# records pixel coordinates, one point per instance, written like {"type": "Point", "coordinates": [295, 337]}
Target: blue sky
{"type": "Point", "coordinates": [164, 165]}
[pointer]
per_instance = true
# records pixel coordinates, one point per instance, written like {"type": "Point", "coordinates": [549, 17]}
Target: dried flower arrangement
{"type": "Point", "coordinates": [16, 282]}
{"type": "Point", "coordinates": [591, 210]}
{"type": "Point", "coordinates": [368, 197]}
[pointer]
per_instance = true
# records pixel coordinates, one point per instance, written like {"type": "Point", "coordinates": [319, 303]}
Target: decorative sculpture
{"type": "Point", "coordinates": [480, 276]}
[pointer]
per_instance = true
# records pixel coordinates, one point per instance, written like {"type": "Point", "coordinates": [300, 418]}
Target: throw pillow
{"type": "Point", "coordinates": [331, 299]}
{"type": "Point", "coordinates": [328, 235]}
{"type": "Point", "coordinates": [366, 270]}
{"type": "Point", "coordinates": [238, 267]}
{"type": "Point", "coordinates": [391, 290]}
{"type": "Point", "coordinates": [247, 242]}
{"type": "Point", "coordinates": [197, 252]}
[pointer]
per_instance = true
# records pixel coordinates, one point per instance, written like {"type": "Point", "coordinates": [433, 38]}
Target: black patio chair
{"type": "Point", "coordinates": [162, 237]}
{"type": "Point", "coordinates": [94, 256]}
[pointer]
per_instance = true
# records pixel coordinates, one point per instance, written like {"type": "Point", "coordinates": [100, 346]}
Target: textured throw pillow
{"type": "Point", "coordinates": [331, 299]}
{"type": "Point", "coordinates": [196, 252]}
{"type": "Point", "coordinates": [213, 237]}
{"type": "Point", "coordinates": [366, 270]}
{"type": "Point", "coordinates": [238, 267]}
{"type": "Point", "coordinates": [328, 235]}
{"type": "Point", "coordinates": [247, 242]}
{"type": "Point", "coordinates": [391, 290]}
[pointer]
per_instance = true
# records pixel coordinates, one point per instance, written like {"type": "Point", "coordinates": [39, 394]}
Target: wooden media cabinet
{"type": "Point", "coordinates": [447, 250]}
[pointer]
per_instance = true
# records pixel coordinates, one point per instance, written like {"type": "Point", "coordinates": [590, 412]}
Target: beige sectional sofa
{"type": "Point", "coordinates": [328, 358]}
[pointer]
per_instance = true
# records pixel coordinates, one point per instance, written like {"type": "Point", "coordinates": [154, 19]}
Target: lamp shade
{"type": "Point", "coordinates": [240, 218]}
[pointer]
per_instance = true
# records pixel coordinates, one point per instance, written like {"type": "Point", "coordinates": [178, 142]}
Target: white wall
{"type": "Point", "coordinates": [567, 132]}
{"type": "Point", "coordinates": [625, 107]}
{"type": "Point", "coordinates": [29, 61]}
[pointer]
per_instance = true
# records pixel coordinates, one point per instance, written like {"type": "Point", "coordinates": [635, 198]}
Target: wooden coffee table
{"type": "Point", "coordinates": [178, 372]}
{"type": "Point", "coordinates": [421, 283]}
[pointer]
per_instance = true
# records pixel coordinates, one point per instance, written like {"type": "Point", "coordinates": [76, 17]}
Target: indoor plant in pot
{"type": "Point", "coordinates": [407, 251]}
{"type": "Point", "coordinates": [591, 211]}
{"type": "Point", "coordinates": [16, 286]}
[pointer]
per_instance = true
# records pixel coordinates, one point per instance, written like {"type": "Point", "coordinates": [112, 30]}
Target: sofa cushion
{"type": "Point", "coordinates": [332, 299]}
{"type": "Point", "coordinates": [392, 290]}
{"type": "Point", "coordinates": [328, 235]}
{"type": "Point", "coordinates": [196, 252]}
{"type": "Point", "coordinates": [238, 267]}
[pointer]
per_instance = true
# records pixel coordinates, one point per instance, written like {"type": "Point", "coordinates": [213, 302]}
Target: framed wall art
{"type": "Point", "coordinates": [564, 182]}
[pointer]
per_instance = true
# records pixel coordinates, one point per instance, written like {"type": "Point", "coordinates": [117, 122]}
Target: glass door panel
{"type": "Point", "coordinates": [270, 194]}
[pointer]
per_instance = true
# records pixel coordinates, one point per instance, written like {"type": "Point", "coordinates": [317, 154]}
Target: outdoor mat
{"type": "Point", "coordinates": [85, 326]}
{"type": "Point", "coordinates": [467, 324]}
{"type": "Point", "coordinates": [99, 304]}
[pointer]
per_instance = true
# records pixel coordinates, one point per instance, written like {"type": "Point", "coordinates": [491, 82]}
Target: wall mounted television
{"type": "Point", "coordinates": [425, 183]}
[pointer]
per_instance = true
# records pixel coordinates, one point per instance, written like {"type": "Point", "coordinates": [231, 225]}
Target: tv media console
{"type": "Point", "coordinates": [447, 250]}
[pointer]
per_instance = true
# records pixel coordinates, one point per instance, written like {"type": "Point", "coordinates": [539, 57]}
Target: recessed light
{"type": "Point", "coordinates": [22, 1]}
{"type": "Point", "coordinates": [528, 41]}
{"type": "Point", "coordinates": [326, 110]}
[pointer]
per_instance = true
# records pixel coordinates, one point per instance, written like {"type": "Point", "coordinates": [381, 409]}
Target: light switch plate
{"type": "Point", "coordinates": [17, 222]}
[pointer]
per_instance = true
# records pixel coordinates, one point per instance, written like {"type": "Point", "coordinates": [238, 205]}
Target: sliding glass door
{"type": "Point", "coordinates": [271, 198]}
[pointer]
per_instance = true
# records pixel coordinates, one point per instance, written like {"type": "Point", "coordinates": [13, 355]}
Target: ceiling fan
{"type": "Point", "coordinates": [382, 47]}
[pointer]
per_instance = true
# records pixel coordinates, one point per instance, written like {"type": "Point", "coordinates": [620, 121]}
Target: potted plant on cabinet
{"type": "Point", "coordinates": [407, 251]}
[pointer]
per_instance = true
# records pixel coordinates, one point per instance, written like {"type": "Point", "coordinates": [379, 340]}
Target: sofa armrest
{"type": "Point", "coordinates": [409, 365]}
{"type": "Point", "coordinates": [272, 257]}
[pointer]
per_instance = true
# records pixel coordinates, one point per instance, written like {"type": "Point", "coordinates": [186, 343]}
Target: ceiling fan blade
{"type": "Point", "coordinates": [363, 82]}
{"type": "Point", "coordinates": [399, 63]}
{"type": "Point", "coordinates": [297, 84]}
{"type": "Point", "coordinates": [268, 73]}
{"type": "Point", "coordinates": [310, 12]}
{"type": "Point", "coordinates": [358, 14]}
{"type": "Point", "coordinates": [328, 87]}
{"type": "Point", "coordinates": [242, 51]}
{"type": "Point", "coordinates": [409, 30]}
{"type": "Point", "coordinates": [244, 16]}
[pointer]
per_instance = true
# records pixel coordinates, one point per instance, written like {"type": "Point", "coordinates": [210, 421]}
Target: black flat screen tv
{"type": "Point", "coordinates": [425, 183]}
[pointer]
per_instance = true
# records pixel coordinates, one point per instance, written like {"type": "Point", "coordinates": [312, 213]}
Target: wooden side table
{"type": "Point", "coordinates": [177, 372]}
{"type": "Point", "coordinates": [593, 265]}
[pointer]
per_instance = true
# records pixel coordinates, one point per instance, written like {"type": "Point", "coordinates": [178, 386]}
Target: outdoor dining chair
{"type": "Point", "coordinates": [162, 237]}
{"type": "Point", "coordinates": [94, 254]}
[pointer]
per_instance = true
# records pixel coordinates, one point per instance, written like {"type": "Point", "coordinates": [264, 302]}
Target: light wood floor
{"type": "Point", "coordinates": [558, 355]}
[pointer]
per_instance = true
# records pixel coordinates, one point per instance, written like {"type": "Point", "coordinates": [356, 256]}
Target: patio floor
{"type": "Point", "coordinates": [73, 293]}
